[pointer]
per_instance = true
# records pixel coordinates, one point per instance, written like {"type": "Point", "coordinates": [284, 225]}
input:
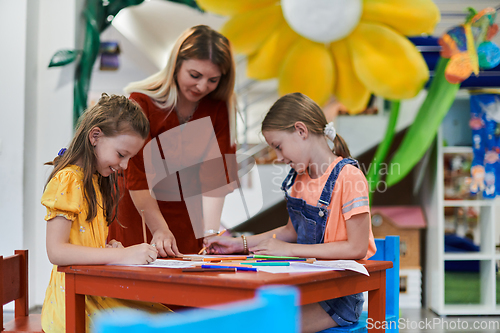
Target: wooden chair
{"type": "Point", "coordinates": [14, 287]}
{"type": "Point", "coordinates": [387, 250]}
{"type": "Point", "coordinates": [273, 310]}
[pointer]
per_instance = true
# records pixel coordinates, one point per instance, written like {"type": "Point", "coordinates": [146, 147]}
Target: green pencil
{"type": "Point", "coordinates": [257, 256]}
{"type": "Point", "coordinates": [272, 263]}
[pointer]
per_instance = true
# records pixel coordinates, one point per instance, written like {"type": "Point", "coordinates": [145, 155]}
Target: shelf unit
{"type": "Point", "coordinates": [434, 203]}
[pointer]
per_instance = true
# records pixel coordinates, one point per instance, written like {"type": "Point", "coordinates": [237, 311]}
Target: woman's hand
{"type": "Point", "coordinates": [223, 245]}
{"type": "Point", "coordinates": [272, 247]}
{"type": "Point", "coordinates": [164, 241]}
{"type": "Point", "coordinates": [115, 244]}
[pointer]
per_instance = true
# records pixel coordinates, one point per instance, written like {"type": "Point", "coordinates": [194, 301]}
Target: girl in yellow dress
{"type": "Point", "coordinates": [81, 197]}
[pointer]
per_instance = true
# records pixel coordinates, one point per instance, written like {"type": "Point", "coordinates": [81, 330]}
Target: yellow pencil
{"type": "Point", "coordinates": [144, 226]}
{"type": "Point", "coordinates": [204, 248]}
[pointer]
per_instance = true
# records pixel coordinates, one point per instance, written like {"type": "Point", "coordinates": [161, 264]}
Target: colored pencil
{"type": "Point", "coordinates": [280, 260]}
{"type": "Point", "coordinates": [225, 258]}
{"type": "Point", "coordinates": [274, 263]}
{"type": "Point", "coordinates": [237, 268]}
{"type": "Point", "coordinates": [257, 256]}
{"type": "Point", "coordinates": [144, 226]}
{"type": "Point", "coordinates": [219, 269]}
{"type": "Point", "coordinates": [307, 260]}
{"type": "Point", "coordinates": [204, 248]}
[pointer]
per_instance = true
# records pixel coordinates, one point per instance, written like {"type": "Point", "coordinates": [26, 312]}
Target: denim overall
{"type": "Point", "coordinates": [309, 223]}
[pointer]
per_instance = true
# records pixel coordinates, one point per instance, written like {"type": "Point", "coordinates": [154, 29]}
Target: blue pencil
{"type": "Point", "coordinates": [237, 268]}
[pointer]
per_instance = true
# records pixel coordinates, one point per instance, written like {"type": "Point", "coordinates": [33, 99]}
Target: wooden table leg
{"type": "Point", "coordinates": [75, 307]}
{"type": "Point", "coordinates": [376, 306]}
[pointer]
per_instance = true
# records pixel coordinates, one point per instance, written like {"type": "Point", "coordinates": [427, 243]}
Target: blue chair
{"type": "Point", "coordinates": [388, 250]}
{"type": "Point", "coordinates": [274, 309]}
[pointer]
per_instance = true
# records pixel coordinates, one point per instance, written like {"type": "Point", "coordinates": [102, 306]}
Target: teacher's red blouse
{"type": "Point", "coordinates": [199, 177]}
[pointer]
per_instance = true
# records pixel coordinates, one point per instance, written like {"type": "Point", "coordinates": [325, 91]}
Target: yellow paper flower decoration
{"type": "Point", "coordinates": [348, 48]}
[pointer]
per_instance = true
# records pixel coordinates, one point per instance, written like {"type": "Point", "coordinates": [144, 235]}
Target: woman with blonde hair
{"type": "Point", "coordinates": [190, 105]}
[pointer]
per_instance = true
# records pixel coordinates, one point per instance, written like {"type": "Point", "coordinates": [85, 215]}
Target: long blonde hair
{"type": "Point", "coordinates": [294, 107]}
{"type": "Point", "coordinates": [114, 115]}
{"type": "Point", "coordinates": [199, 42]}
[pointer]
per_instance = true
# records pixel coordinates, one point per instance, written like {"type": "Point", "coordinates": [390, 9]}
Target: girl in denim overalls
{"type": "Point", "coordinates": [327, 204]}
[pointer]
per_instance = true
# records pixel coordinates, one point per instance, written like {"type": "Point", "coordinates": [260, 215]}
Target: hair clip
{"type": "Point", "coordinates": [330, 131]}
{"type": "Point", "coordinates": [61, 152]}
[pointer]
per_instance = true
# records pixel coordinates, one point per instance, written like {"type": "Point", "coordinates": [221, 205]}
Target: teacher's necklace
{"type": "Point", "coordinates": [185, 119]}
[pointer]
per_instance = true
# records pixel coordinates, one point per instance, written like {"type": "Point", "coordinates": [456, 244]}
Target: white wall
{"type": "Point", "coordinates": [36, 120]}
{"type": "Point", "coordinates": [13, 16]}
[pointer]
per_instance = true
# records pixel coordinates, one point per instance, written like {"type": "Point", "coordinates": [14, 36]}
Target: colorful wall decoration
{"type": "Point", "coordinates": [346, 48]}
{"type": "Point", "coordinates": [462, 49]}
{"type": "Point", "coordinates": [485, 125]}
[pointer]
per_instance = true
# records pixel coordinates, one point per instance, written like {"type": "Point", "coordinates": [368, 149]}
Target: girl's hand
{"type": "Point", "coordinates": [140, 254]}
{"type": "Point", "coordinates": [223, 245]}
{"type": "Point", "coordinates": [164, 241]}
{"type": "Point", "coordinates": [115, 244]}
{"type": "Point", "coordinates": [272, 247]}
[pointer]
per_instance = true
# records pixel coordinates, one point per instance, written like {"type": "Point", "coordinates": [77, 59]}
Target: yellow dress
{"type": "Point", "coordinates": [63, 196]}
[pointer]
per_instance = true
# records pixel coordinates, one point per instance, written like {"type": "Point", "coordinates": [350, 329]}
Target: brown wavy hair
{"type": "Point", "coordinates": [114, 115]}
{"type": "Point", "coordinates": [294, 107]}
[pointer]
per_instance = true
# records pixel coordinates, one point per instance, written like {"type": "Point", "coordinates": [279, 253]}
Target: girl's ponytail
{"type": "Point", "coordinates": [340, 147]}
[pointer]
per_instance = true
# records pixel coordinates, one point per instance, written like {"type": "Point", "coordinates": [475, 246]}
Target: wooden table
{"type": "Point", "coordinates": [172, 286]}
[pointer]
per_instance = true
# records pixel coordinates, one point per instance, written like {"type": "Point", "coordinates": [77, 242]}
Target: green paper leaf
{"type": "Point", "coordinates": [373, 175]}
{"type": "Point", "coordinates": [419, 137]}
{"type": "Point", "coordinates": [64, 57]}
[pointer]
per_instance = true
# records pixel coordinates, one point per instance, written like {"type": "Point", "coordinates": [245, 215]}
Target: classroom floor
{"type": "Point", "coordinates": [423, 320]}
{"type": "Point", "coordinates": [414, 321]}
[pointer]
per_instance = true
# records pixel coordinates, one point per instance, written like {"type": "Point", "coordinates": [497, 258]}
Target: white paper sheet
{"type": "Point", "coordinates": [164, 263]}
{"type": "Point", "coordinates": [318, 266]}
{"type": "Point", "coordinates": [295, 266]}
{"type": "Point", "coordinates": [350, 265]}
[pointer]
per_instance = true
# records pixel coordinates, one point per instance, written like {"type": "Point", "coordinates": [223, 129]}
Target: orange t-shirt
{"type": "Point", "coordinates": [349, 197]}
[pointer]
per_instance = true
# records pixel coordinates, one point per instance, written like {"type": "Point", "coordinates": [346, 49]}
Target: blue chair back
{"type": "Point", "coordinates": [387, 250]}
{"type": "Point", "coordinates": [274, 309]}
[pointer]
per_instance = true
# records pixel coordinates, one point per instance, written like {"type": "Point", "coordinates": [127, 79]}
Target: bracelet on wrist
{"type": "Point", "coordinates": [245, 244]}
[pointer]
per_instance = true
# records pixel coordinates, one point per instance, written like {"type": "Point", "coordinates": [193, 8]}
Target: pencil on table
{"type": "Point", "coordinates": [204, 248]}
{"type": "Point", "coordinates": [144, 226]}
